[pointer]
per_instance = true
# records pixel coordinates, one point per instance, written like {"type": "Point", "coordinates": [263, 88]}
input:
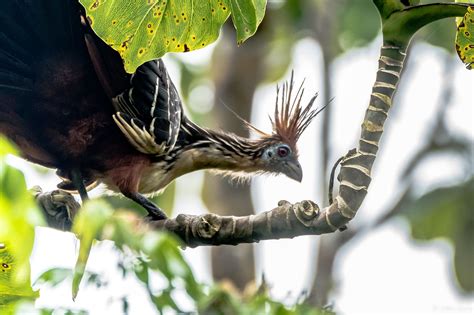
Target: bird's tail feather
{"type": "Point", "coordinates": [30, 30]}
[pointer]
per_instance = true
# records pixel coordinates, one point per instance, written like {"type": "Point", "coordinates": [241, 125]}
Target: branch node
{"type": "Point", "coordinates": [208, 225]}
{"type": "Point", "coordinates": [305, 211]}
{"type": "Point", "coordinates": [283, 203]}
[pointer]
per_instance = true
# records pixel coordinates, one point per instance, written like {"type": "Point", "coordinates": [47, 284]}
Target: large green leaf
{"type": "Point", "coordinates": [447, 213]}
{"type": "Point", "coordinates": [359, 24]}
{"type": "Point", "coordinates": [465, 38]}
{"type": "Point", "coordinates": [147, 29]}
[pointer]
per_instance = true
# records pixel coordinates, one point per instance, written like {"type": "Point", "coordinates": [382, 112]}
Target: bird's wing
{"type": "Point", "coordinates": [149, 112]}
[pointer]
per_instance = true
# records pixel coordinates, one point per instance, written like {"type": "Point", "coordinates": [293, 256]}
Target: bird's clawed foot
{"type": "Point", "coordinates": [154, 212]}
{"type": "Point", "coordinates": [58, 206]}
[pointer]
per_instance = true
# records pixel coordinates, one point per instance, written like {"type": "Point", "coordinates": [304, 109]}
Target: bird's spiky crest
{"type": "Point", "coordinates": [291, 118]}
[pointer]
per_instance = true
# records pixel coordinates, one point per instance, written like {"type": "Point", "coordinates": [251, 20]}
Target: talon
{"type": "Point", "coordinates": [155, 217]}
{"type": "Point", "coordinates": [59, 207]}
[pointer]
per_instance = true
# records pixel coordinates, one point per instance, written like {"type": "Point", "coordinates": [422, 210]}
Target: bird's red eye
{"type": "Point", "coordinates": [283, 151]}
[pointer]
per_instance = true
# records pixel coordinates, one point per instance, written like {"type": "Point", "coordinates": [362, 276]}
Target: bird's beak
{"type": "Point", "coordinates": [293, 170]}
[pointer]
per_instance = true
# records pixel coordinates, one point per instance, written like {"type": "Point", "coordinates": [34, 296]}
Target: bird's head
{"type": "Point", "coordinates": [278, 151]}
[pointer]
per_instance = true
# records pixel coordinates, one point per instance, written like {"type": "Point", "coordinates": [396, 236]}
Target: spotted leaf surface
{"type": "Point", "coordinates": [465, 38]}
{"type": "Point", "coordinates": [142, 30]}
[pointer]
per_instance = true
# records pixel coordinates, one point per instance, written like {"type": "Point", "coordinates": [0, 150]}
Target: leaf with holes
{"type": "Point", "coordinates": [465, 38]}
{"type": "Point", "coordinates": [144, 30]}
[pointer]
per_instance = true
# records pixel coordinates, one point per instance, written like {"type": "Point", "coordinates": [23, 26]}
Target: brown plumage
{"type": "Point", "coordinates": [67, 103]}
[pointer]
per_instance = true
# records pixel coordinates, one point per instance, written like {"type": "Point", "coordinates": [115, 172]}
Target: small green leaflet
{"type": "Point", "coordinates": [144, 30]}
{"type": "Point", "coordinates": [88, 226]}
{"type": "Point", "coordinates": [465, 38]}
{"type": "Point", "coordinates": [18, 218]}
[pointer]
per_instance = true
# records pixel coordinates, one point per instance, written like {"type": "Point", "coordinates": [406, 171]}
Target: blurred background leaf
{"type": "Point", "coordinates": [447, 213]}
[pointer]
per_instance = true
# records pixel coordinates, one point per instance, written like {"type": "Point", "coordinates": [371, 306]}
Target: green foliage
{"type": "Point", "coordinates": [156, 252]}
{"type": "Point", "coordinates": [145, 30]}
{"type": "Point", "coordinates": [360, 24]}
{"type": "Point", "coordinates": [159, 253]}
{"type": "Point", "coordinates": [88, 226]}
{"type": "Point", "coordinates": [447, 213]}
{"type": "Point", "coordinates": [465, 38]}
{"type": "Point", "coordinates": [399, 24]}
{"type": "Point", "coordinates": [18, 215]}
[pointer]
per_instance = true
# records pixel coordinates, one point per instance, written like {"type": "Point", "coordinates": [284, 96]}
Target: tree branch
{"type": "Point", "coordinates": [305, 218]}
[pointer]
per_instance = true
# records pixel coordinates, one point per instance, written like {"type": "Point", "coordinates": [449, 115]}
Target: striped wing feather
{"type": "Point", "coordinates": [149, 113]}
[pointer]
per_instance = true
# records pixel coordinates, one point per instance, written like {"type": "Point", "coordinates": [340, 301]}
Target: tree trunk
{"type": "Point", "coordinates": [237, 72]}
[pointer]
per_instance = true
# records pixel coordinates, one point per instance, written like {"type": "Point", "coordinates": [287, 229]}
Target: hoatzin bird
{"type": "Point", "coordinates": [67, 103]}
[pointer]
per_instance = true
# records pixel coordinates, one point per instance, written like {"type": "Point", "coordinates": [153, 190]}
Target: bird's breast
{"type": "Point", "coordinates": [159, 174]}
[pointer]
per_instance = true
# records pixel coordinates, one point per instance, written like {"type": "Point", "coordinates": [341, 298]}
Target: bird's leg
{"type": "Point", "coordinates": [78, 182]}
{"type": "Point", "coordinates": [154, 212]}
{"type": "Point", "coordinates": [58, 206]}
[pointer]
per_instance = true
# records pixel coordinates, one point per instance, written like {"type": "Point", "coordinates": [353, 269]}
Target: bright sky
{"type": "Point", "coordinates": [381, 271]}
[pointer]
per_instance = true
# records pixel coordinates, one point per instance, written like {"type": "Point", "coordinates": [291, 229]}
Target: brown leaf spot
{"type": "Point", "coordinates": [94, 5]}
{"type": "Point", "coordinates": [186, 48]}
